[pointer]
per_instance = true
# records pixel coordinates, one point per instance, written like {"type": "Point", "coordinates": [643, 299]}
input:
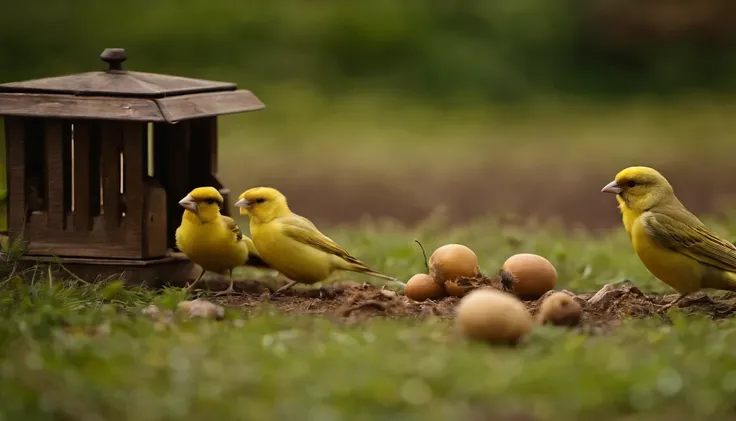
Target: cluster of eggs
{"type": "Point", "coordinates": [488, 313]}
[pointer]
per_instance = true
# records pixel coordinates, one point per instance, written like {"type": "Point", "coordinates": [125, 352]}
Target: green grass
{"type": "Point", "coordinates": [275, 366]}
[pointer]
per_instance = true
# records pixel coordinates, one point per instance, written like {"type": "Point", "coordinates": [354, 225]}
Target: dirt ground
{"type": "Point", "coordinates": [352, 303]}
{"type": "Point", "coordinates": [571, 195]}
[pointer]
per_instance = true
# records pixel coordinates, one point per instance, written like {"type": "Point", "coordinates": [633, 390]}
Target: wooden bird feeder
{"type": "Point", "coordinates": [97, 162]}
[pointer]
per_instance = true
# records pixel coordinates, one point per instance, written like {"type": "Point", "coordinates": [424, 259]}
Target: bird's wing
{"type": "Point", "coordinates": [232, 226]}
{"type": "Point", "coordinates": [684, 233]}
{"type": "Point", "coordinates": [304, 231]}
{"type": "Point", "coordinates": [254, 259]}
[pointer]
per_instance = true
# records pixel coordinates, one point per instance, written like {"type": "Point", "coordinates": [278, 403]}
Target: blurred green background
{"type": "Point", "coordinates": [393, 109]}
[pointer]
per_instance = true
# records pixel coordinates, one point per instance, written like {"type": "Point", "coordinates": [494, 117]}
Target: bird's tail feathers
{"type": "Point", "coordinates": [356, 265]}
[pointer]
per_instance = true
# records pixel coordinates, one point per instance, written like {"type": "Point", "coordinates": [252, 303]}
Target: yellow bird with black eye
{"type": "Point", "coordinates": [292, 244]}
{"type": "Point", "coordinates": [212, 240]}
{"type": "Point", "coordinates": [674, 245]}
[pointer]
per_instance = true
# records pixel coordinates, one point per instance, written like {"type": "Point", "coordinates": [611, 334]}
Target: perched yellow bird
{"type": "Point", "coordinates": [212, 240]}
{"type": "Point", "coordinates": [674, 245]}
{"type": "Point", "coordinates": [291, 244]}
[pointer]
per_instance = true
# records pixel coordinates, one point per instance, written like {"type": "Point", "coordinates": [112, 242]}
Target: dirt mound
{"type": "Point", "coordinates": [354, 303]}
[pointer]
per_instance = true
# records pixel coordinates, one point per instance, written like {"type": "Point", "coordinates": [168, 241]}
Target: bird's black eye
{"type": "Point", "coordinates": [210, 201]}
{"type": "Point", "coordinates": [260, 200]}
{"type": "Point", "coordinates": [631, 183]}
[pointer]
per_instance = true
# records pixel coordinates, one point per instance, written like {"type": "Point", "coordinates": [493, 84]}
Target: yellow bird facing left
{"type": "Point", "coordinates": [674, 245]}
{"type": "Point", "coordinates": [292, 244]}
{"type": "Point", "coordinates": [212, 240]}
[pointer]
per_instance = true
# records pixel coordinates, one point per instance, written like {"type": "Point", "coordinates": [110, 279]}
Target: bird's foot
{"type": "Point", "coordinates": [280, 292]}
{"type": "Point", "coordinates": [228, 291]}
{"type": "Point", "coordinates": [284, 288]}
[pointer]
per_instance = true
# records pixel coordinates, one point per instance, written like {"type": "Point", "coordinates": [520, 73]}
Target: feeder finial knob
{"type": "Point", "coordinates": [114, 57]}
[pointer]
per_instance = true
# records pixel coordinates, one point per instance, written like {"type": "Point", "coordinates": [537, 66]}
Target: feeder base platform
{"type": "Point", "coordinates": [174, 269]}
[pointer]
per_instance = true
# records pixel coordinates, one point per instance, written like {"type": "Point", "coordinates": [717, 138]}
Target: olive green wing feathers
{"type": "Point", "coordinates": [254, 259]}
{"type": "Point", "coordinates": [303, 230]}
{"type": "Point", "coordinates": [681, 231]}
{"type": "Point", "coordinates": [232, 226]}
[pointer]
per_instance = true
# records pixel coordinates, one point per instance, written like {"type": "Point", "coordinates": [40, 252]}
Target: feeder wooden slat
{"type": "Point", "coordinates": [111, 146]}
{"type": "Point", "coordinates": [82, 215]}
{"type": "Point", "coordinates": [54, 143]}
{"type": "Point", "coordinates": [72, 243]}
{"type": "Point", "coordinates": [95, 179]}
{"type": "Point", "coordinates": [172, 141]}
{"type": "Point", "coordinates": [14, 139]}
{"type": "Point", "coordinates": [3, 184]}
{"type": "Point", "coordinates": [201, 164]}
{"type": "Point", "coordinates": [179, 185]}
{"type": "Point", "coordinates": [135, 168]}
{"type": "Point", "coordinates": [161, 147]}
{"type": "Point", "coordinates": [66, 158]}
{"type": "Point", "coordinates": [155, 242]}
{"type": "Point", "coordinates": [203, 158]}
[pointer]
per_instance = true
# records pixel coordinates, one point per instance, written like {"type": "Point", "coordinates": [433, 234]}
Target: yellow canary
{"type": "Point", "coordinates": [674, 245]}
{"type": "Point", "coordinates": [291, 244]}
{"type": "Point", "coordinates": [212, 240]}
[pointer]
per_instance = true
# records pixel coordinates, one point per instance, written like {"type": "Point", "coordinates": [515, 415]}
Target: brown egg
{"type": "Point", "coordinates": [560, 309]}
{"type": "Point", "coordinates": [488, 314]}
{"type": "Point", "coordinates": [453, 261]}
{"type": "Point", "coordinates": [533, 275]}
{"type": "Point", "coordinates": [422, 287]}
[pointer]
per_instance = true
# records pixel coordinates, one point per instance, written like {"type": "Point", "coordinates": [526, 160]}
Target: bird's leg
{"type": "Point", "coordinates": [229, 290]}
{"type": "Point", "coordinates": [285, 287]}
{"type": "Point", "coordinates": [191, 287]}
{"type": "Point", "coordinates": [677, 300]}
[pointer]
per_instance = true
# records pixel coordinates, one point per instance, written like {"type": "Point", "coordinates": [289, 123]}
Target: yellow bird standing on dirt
{"type": "Point", "coordinates": [212, 240]}
{"type": "Point", "coordinates": [291, 244]}
{"type": "Point", "coordinates": [674, 245]}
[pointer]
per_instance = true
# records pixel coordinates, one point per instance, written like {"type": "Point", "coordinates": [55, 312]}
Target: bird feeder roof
{"type": "Point", "coordinates": [119, 94]}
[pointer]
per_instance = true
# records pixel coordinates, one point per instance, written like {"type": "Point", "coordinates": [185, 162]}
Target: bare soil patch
{"type": "Point", "coordinates": [602, 310]}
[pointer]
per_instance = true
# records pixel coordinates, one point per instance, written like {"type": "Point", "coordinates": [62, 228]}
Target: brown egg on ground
{"type": "Point", "coordinates": [453, 261]}
{"type": "Point", "coordinates": [422, 287]}
{"type": "Point", "coordinates": [531, 275]}
{"type": "Point", "coordinates": [488, 314]}
{"type": "Point", "coordinates": [560, 309]}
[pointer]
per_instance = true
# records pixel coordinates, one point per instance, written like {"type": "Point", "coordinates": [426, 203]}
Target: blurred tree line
{"type": "Point", "coordinates": [505, 49]}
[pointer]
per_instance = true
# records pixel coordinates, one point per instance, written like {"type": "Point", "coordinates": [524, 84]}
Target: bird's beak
{"type": "Point", "coordinates": [189, 203]}
{"type": "Point", "coordinates": [611, 187]}
{"type": "Point", "coordinates": [242, 203]}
